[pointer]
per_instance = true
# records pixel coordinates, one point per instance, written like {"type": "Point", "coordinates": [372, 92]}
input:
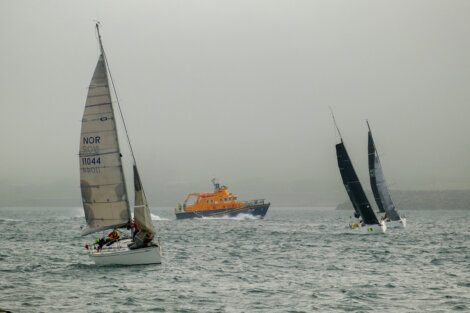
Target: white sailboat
{"type": "Point", "coordinates": [103, 185]}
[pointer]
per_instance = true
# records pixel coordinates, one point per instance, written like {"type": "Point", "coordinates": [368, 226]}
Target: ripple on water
{"type": "Point", "coordinates": [296, 260]}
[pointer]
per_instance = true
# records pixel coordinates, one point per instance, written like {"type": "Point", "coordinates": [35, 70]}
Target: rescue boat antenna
{"type": "Point", "coordinates": [215, 183]}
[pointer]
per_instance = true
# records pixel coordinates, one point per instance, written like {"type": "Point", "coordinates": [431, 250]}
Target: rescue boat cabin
{"type": "Point", "coordinates": [221, 198]}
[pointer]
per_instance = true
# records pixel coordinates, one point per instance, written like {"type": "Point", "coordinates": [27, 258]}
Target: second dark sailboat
{"type": "Point", "coordinates": [379, 186]}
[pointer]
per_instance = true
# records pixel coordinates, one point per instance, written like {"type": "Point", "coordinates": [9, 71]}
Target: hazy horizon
{"type": "Point", "coordinates": [240, 90]}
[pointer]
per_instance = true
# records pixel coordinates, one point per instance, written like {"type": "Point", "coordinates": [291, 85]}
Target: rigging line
{"type": "Point", "coordinates": [117, 100]}
{"type": "Point", "coordinates": [106, 65]}
{"type": "Point", "coordinates": [115, 94]}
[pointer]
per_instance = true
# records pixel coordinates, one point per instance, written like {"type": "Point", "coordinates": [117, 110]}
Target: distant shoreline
{"type": "Point", "coordinates": [423, 200]}
{"type": "Point", "coordinates": [404, 200]}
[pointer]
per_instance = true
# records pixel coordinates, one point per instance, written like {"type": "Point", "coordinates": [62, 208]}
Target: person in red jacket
{"type": "Point", "coordinates": [135, 229]}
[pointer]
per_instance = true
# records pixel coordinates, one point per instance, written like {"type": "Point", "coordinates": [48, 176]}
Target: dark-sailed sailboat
{"type": "Point", "coordinates": [103, 185]}
{"type": "Point", "coordinates": [379, 186]}
{"type": "Point", "coordinates": [369, 223]}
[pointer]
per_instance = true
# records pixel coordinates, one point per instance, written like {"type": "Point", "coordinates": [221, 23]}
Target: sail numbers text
{"type": "Point", "coordinates": [91, 161]}
{"type": "Point", "coordinates": [88, 170]}
{"type": "Point", "coordinates": [91, 140]}
{"type": "Point", "coordinates": [91, 144]}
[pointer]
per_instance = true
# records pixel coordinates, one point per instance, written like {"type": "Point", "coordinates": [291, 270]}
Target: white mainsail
{"type": "Point", "coordinates": [102, 182]}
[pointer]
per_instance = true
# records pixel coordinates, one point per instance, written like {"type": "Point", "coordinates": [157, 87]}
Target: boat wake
{"type": "Point", "coordinates": [9, 220]}
{"type": "Point", "coordinates": [239, 217]}
{"type": "Point", "coordinates": [158, 218]}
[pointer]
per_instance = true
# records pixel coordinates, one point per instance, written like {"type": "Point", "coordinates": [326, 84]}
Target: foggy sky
{"type": "Point", "coordinates": [240, 90]}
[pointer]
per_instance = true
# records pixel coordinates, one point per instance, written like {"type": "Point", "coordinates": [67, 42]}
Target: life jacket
{"type": "Point", "coordinates": [113, 235]}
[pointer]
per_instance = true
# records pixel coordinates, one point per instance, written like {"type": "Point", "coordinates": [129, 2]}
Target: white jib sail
{"type": "Point", "coordinates": [141, 210]}
{"type": "Point", "coordinates": [102, 183]}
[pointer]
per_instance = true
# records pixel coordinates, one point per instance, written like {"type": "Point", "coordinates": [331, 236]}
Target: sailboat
{"type": "Point", "coordinates": [379, 186]}
{"type": "Point", "coordinates": [103, 184]}
{"type": "Point", "coordinates": [369, 224]}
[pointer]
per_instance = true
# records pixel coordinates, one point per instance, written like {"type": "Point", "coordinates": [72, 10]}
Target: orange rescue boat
{"type": "Point", "coordinates": [221, 202]}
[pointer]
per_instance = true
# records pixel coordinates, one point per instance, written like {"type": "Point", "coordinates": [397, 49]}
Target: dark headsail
{"type": "Point", "coordinates": [353, 186]}
{"type": "Point", "coordinates": [373, 181]}
{"type": "Point", "coordinates": [378, 183]}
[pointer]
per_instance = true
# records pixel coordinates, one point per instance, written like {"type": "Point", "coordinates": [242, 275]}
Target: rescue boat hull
{"type": "Point", "coordinates": [255, 210]}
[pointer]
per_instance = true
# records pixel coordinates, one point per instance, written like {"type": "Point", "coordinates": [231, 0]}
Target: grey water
{"type": "Point", "coordinates": [295, 260]}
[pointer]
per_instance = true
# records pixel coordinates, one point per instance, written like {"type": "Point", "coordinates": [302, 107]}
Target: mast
{"type": "Point", "coordinates": [112, 108]}
{"type": "Point", "coordinates": [115, 93]}
{"type": "Point", "coordinates": [141, 210]}
{"type": "Point", "coordinates": [118, 103]}
{"type": "Point", "coordinates": [336, 125]}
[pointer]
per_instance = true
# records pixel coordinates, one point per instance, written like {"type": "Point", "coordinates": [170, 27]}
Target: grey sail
{"type": "Point", "coordinates": [378, 183]}
{"type": "Point", "coordinates": [102, 181]}
{"type": "Point", "coordinates": [142, 215]}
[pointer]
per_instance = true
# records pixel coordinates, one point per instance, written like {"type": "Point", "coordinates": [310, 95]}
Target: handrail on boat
{"type": "Point", "coordinates": [255, 202]}
{"type": "Point", "coordinates": [115, 246]}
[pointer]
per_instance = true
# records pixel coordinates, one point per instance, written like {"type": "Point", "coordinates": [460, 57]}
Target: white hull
{"type": "Point", "coordinates": [397, 224]}
{"type": "Point", "coordinates": [370, 229]}
{"type": "Point", "coordinates": [120, 254]}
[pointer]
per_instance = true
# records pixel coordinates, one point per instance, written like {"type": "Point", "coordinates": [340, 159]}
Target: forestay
{"type": "Point", "coordinates": [102, 182]}
{"type": "Point", "coordinates": [378, 183]}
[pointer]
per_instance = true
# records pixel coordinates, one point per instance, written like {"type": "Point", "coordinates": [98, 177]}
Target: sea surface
{"type": "Point", "coordinates": [295, 260]}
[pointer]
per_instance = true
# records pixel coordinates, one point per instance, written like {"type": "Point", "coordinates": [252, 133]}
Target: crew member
{"type": "Point", "coordinates": [114, 235]}
{"type": "Point", "coordinates": [135, 229]}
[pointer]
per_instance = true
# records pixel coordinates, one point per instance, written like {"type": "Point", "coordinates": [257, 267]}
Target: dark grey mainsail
{"type": "Point", "coordinates": [378, 183]}
{"type": "Point", "coordinates": [102, 181]}
{"type": "Point", "coordinates": [353, 185]}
